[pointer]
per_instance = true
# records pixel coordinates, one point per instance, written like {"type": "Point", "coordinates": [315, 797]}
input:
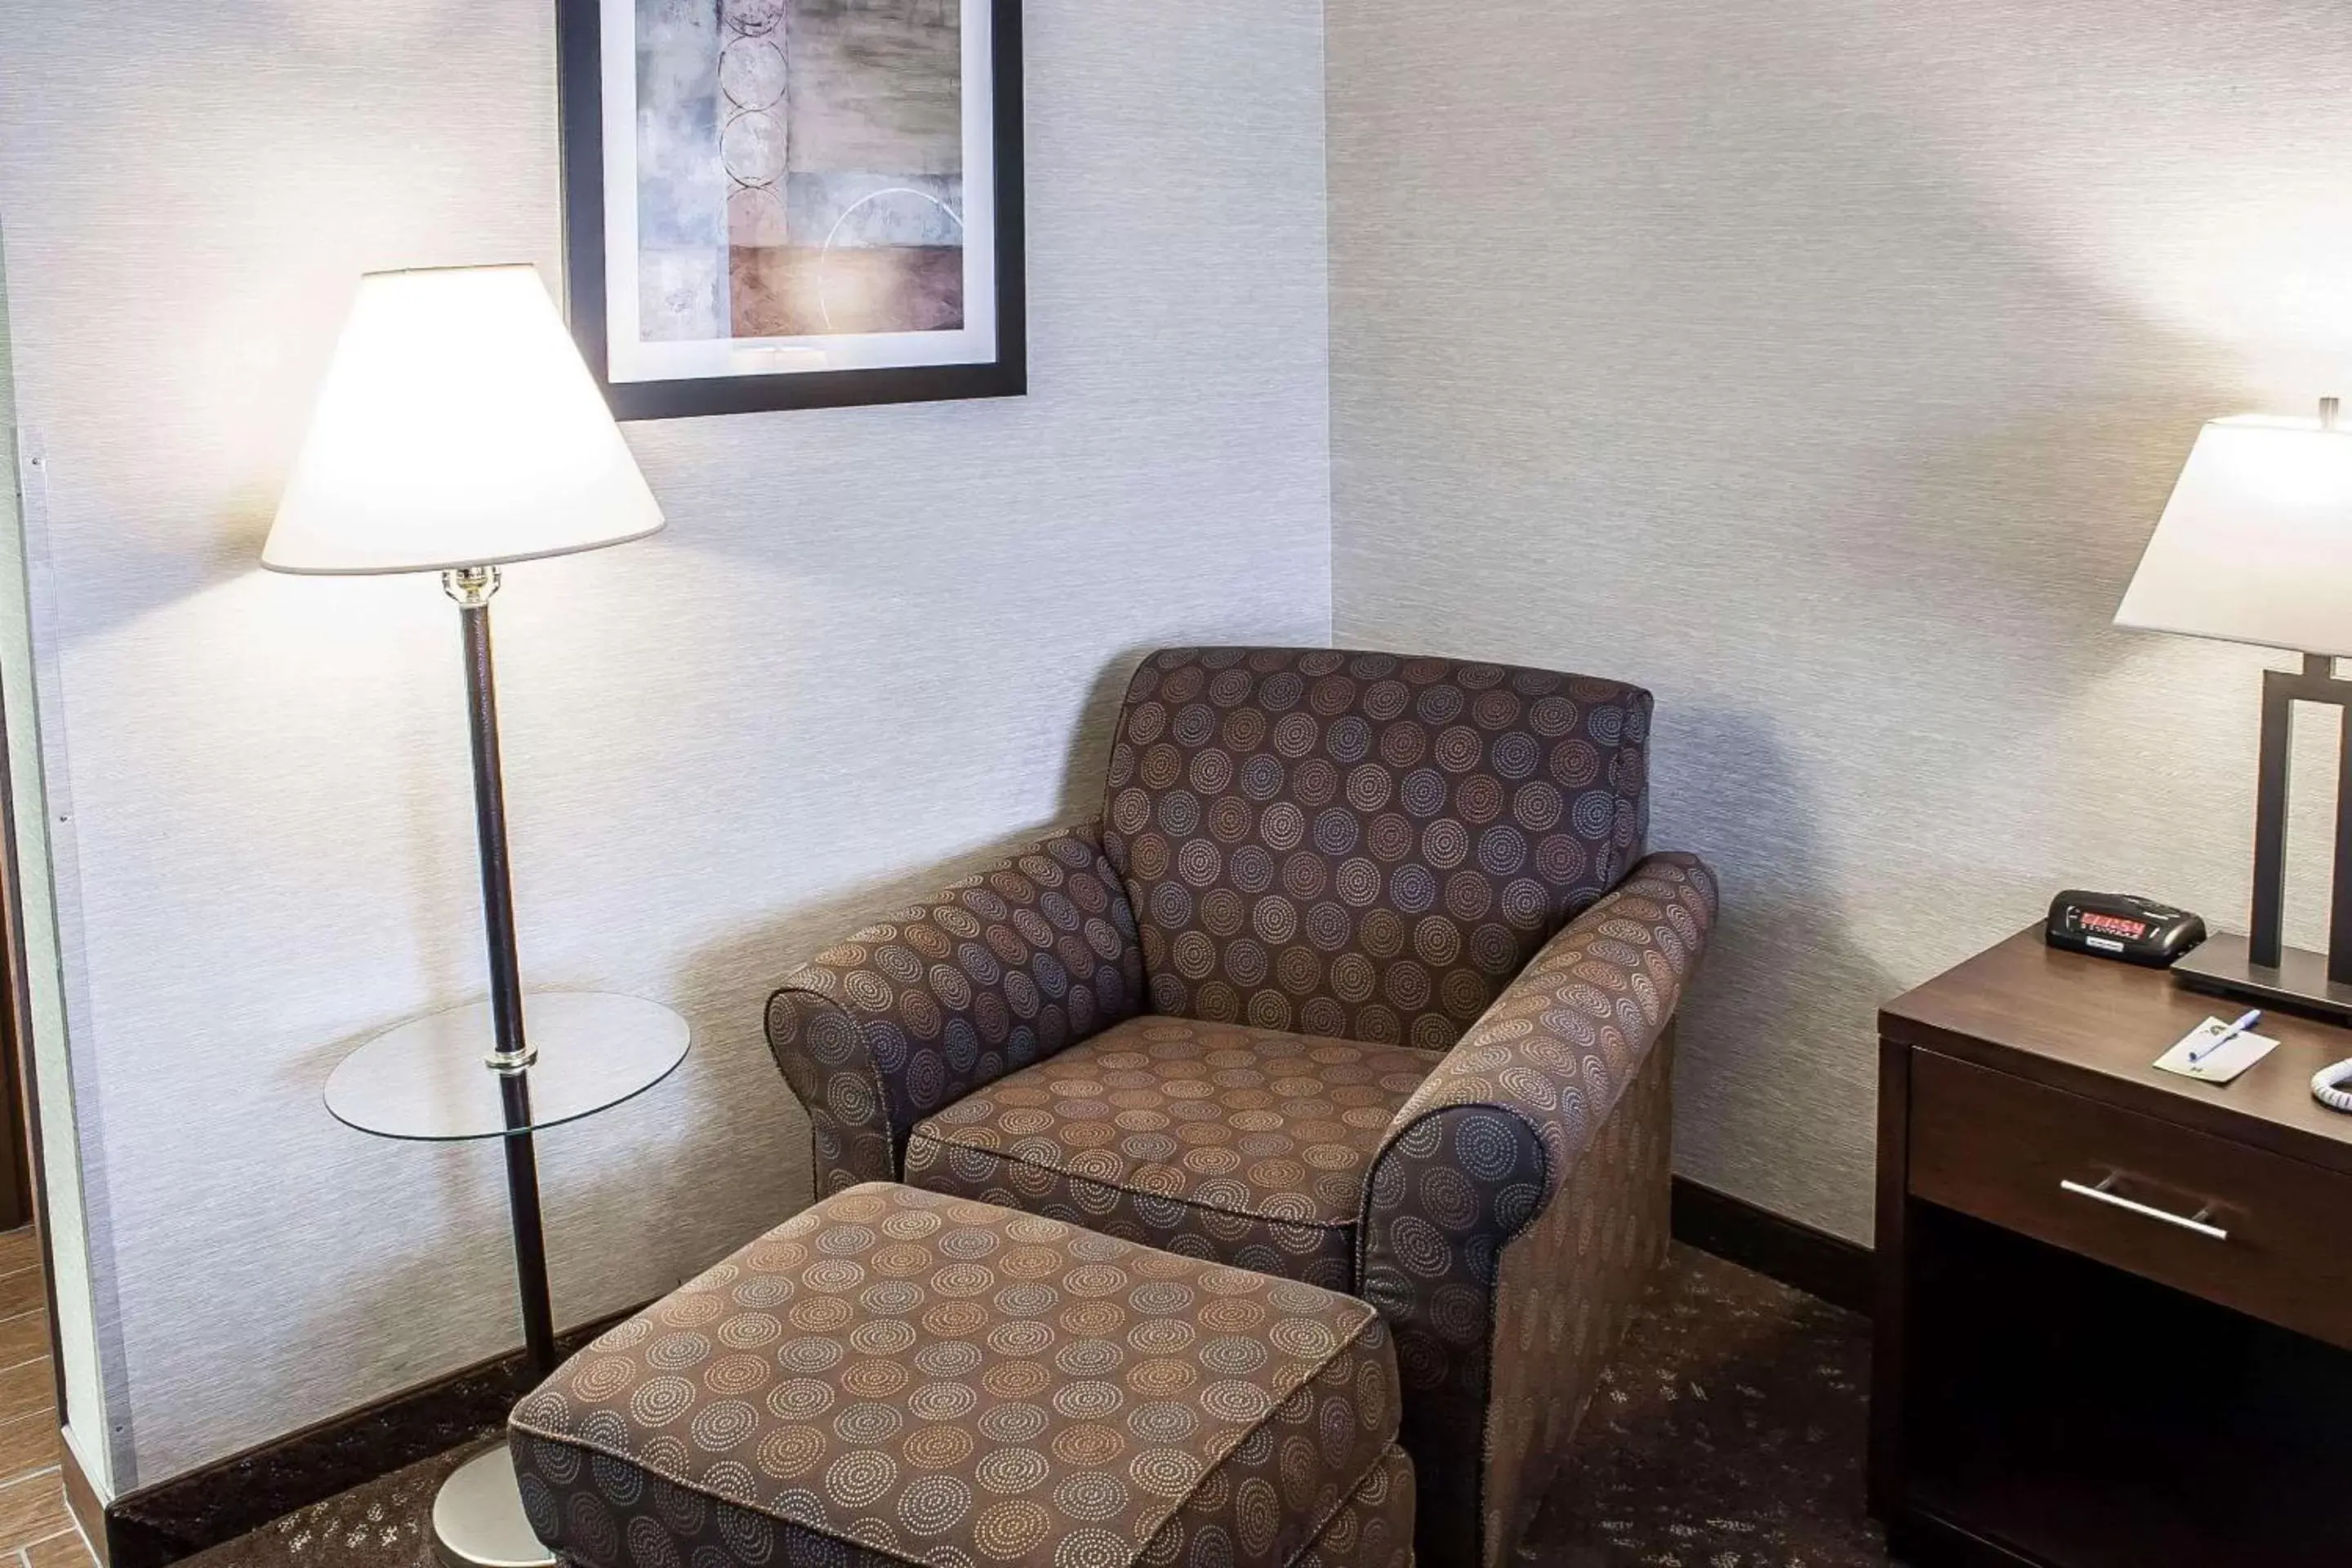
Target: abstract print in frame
{"type": "Point", "coordinates": [794, 204]}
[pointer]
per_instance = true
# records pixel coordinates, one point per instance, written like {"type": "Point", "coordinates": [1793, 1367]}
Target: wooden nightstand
{"type": "Point", "coordinates": [2063, 1380]}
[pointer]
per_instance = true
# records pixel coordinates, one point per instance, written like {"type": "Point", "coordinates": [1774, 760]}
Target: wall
{"type": "Point", "coordinates": [1825, 366]}
{"type": "Point", "coordinates": [873, 644]}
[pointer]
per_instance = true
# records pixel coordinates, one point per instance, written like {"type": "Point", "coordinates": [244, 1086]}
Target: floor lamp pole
{"type": "Point", "coordinates": [472, 588]}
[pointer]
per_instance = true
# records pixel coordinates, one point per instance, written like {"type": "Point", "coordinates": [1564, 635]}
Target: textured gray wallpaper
{"type": "Point", "coordinates": [1824, 365]}
{"type": "Point", "coordinates": [874, 643]}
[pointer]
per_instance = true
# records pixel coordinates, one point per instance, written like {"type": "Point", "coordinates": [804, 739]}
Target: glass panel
{"type": "Point", "coordinates": [429, 1078]}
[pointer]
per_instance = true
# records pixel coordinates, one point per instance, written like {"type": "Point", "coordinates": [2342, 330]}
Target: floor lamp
{"type": "Point", "coordinates": [457, 431]}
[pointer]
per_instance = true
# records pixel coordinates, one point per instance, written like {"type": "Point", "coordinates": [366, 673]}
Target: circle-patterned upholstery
{"type": "Point", "coordinates": [916, 1011]}
{"type": "Point", "coordinates": [899, 1377]}
{"type": "Point", "coordinates": [1360, 845]}
{"type": "Point", "coordinates": [1525, 1183]}
{"type": "Point", "coordinates": [1323, 852]}
{"type": "Point", "coordinates": [1217, 1141]}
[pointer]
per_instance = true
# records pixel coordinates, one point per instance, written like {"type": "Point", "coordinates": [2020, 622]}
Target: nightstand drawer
{"type": "Point", "coordinates": [2251, 1230]}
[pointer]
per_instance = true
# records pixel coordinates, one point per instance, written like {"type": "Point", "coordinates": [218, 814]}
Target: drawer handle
{"type": "Point", "coordinates": [2145, 1211]}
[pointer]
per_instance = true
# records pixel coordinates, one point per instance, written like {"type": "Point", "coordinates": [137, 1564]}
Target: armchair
{"type": "Point", "coordinates": [1362, 978]}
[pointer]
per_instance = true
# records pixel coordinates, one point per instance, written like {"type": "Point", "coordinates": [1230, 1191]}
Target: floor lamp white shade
{"type": "Point", "coordinates": [457, 426]}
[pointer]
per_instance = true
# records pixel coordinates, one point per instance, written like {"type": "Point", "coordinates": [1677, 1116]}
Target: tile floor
{"type": "Point", "coordinates": [35, 1532]}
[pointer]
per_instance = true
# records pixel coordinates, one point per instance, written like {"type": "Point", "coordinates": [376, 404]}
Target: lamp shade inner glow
{"type": "Point", "coordinates": [2255, 545]}
{"type": "Point", "coordinates": [456, 427]}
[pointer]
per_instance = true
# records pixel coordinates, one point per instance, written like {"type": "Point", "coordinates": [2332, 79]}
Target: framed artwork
{"type": "Point", "coordinates": [794, 204]}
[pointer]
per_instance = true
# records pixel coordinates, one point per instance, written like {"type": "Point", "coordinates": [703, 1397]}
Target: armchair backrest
{"type": "Point", "coordinates": [1364, 845]}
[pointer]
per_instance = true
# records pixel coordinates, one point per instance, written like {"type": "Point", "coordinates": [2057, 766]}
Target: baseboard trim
{"type": "Point", "coordinates": [161, 1524]}
{"type": "Point", "coordinates": [1789, 1250]}
{"type": "Point", "coordinates": [81, 1501]}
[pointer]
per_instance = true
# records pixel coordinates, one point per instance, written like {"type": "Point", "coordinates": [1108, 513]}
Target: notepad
{"type": "Point", "coordinates": [2222, 1065]}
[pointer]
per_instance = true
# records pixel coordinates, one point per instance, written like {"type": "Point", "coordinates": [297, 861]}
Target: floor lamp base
{"type": "Point", "coordinates": [477, 1518]}
{"type": "Point", "coordinates": [2299, 983]}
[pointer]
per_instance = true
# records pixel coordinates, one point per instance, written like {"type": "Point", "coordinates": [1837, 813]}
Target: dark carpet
{"type": "Point", "coordinates": [1728, 1435]}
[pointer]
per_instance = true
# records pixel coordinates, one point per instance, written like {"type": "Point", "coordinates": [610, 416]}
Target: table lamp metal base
{"type": "Point", "coordinates": [2298, 983]}
{"type": "Point", "coordinates": [2259, 966]}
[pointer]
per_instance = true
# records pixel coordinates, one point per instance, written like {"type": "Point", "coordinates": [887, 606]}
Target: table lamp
{"type": "Point", "coordinates": [457, 431]}
{"type": "Point", "coordinates": [2255, 546]}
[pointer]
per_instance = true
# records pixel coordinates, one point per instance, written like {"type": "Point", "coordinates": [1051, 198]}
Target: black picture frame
{"type": "Point", "coordinates": [580, 74]}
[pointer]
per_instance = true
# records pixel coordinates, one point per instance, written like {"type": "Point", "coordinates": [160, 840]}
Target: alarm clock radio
{"type": "Point", "coordinates": [2122, 926]}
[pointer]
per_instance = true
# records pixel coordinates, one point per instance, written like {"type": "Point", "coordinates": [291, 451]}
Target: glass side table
{"type": "Point", "coordinates": [433, 1079]}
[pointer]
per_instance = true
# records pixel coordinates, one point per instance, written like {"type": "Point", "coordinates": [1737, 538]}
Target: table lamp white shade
{"type": "Point", "coordinates": [457, 426]}
{"type": "Point", "coordinates": [2255, 545]}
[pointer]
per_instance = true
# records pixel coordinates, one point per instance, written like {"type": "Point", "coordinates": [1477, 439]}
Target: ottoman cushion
{"type": "Point", "coordinates": [1373, 1528]}
{"type": "Point", "coordinates": [899, 1377]}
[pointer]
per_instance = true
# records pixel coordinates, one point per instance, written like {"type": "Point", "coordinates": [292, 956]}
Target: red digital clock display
{"type": "Point", "coordinates": [2113, 925]}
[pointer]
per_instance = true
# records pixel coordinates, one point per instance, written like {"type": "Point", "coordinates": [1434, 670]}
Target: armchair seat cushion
{"type": "Point", "coordinates": [1243, 1146]}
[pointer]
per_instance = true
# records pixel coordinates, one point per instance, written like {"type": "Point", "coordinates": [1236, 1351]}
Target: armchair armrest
{"type": "Point", "coordinates": [911, 1014]}
{"type": "Point", "coordinates": [1564, 1075]}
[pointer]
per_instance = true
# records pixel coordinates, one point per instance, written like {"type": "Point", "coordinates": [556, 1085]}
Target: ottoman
{"type": "Point", "coordinates": [897, 1377]}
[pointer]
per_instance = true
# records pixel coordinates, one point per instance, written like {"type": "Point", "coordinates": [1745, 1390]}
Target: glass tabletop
{"type": "Point", "coordinates": [428, 1079]}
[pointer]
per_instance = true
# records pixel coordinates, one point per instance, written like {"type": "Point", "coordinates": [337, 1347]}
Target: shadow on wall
{"type": "Point", "coordinates": [1088, 763]}
{"type": "Point", "coordinates": [1784, 958]}
{"type": "Point", "coordinates": [752, 964]}
{"type": "Point", "coordinates": [607, 1186]}
{"type": "Point", "coordinates": [610, 1185]}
